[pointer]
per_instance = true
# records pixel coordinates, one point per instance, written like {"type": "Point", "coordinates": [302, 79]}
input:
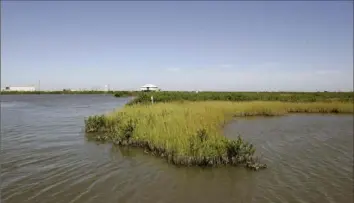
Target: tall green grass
{"type": "Point", "coordinates": [190, 133]}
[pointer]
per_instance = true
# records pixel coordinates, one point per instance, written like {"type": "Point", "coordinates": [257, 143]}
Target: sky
{"type": "Point", "coordinates": [200, 45]}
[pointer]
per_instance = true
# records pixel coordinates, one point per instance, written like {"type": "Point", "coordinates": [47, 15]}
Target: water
{"type": "Point", "coordinates": [45, 157]}
{"type": "Point", "coordinates": [310, 157]}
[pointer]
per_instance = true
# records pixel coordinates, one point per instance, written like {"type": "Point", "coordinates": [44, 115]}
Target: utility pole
{"type": "Point", "coordinates": [39, 86]}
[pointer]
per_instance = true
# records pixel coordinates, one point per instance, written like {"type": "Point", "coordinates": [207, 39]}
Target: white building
{"type": "Point", "coordinates": [20, 88]}
{"type": "Point", "coordinates": [106, 88]}
{"type": "Point", "coordinates": [149, 87]}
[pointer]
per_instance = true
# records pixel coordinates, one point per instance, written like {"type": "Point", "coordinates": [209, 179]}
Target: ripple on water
{"type": "Point", "coordinates": [46, 158]}
{"type": "Point", "coordinates": [311, 155]}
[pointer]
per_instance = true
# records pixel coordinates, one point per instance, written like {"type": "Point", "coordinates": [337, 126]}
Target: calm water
{"type": "Point", "coordinates": [46, 158]}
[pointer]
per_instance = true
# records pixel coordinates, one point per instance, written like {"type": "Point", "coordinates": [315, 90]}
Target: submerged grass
{"type": "Point", "coordinates": [190, 133]}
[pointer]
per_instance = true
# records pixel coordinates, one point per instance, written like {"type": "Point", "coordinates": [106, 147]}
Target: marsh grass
{"type": "Point", "coordinates": [190, 133]}
{"type": "Point", "coordinates": [168, 96]}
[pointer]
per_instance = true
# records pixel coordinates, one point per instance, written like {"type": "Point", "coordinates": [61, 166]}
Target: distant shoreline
{"type": "Point", "coordinates": [54, 92]}
{"type": "Point", "coordinates": [123, 93]}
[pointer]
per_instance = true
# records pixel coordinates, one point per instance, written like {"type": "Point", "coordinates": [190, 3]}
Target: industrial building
{"type": "Point", "coordinates": [149, 87]}
{"type": "Point", "coordinates": [20, 88]}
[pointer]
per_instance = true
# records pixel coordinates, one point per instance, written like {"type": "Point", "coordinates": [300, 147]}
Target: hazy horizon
{"type": "Point", "coordinates": [206, 45]}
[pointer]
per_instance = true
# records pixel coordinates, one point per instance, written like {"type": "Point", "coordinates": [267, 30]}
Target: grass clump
{"type": "Point", "coordinates": [190, 133]}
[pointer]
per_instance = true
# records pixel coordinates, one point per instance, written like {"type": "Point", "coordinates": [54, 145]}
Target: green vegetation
{"type": "Point", "coordinates": [125, 93]}
{"type": "Point", "coordinates": [145, 97]}
{"type": "Point", "coordinates": [190, 133]}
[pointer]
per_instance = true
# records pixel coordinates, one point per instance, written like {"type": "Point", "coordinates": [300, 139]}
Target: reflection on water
{"type": "Point", "coordinates": [46, 158]}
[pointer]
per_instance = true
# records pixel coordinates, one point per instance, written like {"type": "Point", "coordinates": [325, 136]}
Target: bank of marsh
{"type": "Point", "coordinates": [168, 96]}
{"type": "Point", "coordinates": [190, 133]}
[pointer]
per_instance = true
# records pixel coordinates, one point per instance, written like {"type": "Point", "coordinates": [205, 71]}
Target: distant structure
{"type": "Point", "coordinates": [106, 88]}
{"type": "Point", "coordinates": [20, 88]}
{"type": "Point", "coordinates": [149, 87]}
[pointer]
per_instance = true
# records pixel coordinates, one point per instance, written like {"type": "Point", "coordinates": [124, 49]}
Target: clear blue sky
{"type": "Point", "coordinates": [232, 46]}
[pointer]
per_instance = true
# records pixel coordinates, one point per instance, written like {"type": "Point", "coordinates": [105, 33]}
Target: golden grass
{"type": "Point", "coordinates": [189, 133]}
